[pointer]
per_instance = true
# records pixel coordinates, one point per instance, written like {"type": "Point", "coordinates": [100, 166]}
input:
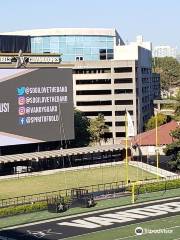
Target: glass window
{"type": "Point", "coordinates": [102, 51]}
{"type": "Point", "coordinates": [70, 39]}
{"type": "Point", "coordinates": [122, 113]}
{"type": "Point", "coordinates": [109, 38]}
{"type": "Point", "coordinates": [94, 113]}
{"type": "Point", "coordinates": [123, 69]}
{"type": "Point", "coordinates": [110, 51]}
{"type": "Point", "coordinates": [87, 50]}
{"type": "Point", "coordinates": [123, 102]}
{"type": "Point", "coordinates": [71, 46]}
{"type": "Point", "coordinates": [62, 38]}
{"type": "Point", "coordinates": [102, 57]}
{"type": "Point", "coordinates": [46, 42]}
{"type": "Point", "coordinates": [68, 57]}
{"type": "Point", "coordinates": [109, 45]}
{"type": "Point", "coordinates": [39, 49]}
{"type": "Point", "coordinates": [87, 44]}
{"type": "Point", "coordinates": [87, 56]}
{"type": "Point", "coordinates": [94, 81]}
{"type": "Point", "coordinates": [37, 40]}
{"type": "Point", "coordinates": [79, 38]}
{"type": "Point", "coordinates": [120, 123]}
{"type": "Point", "coordinates": [123, 91]}
{"type": "Point", "coordinates": [110, 56]}
{"type": "Point", "coordinates": [94, 57]}
{"type": "Point", "coordinates": [79, 50]}
{"type": "Point", "coordinates": [94, 50]}
{"type": "Point", "coordinates": [123, 80]}
{"type": "Point", "coordinates": [93, 92]}
{"type": "Point", "coordinates": [54, 46]}
{"type": "Point", "coordinates": [78, 58]}
{"type": "Point", "coordinates": [94, 103]}
{"type": "Point", "coordinates": [120, 134]}
{"type": "Point", "coordinates": [54, 39]}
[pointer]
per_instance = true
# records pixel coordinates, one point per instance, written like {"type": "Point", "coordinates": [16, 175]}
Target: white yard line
{"type": "Point", "coordinates": [132, 236]}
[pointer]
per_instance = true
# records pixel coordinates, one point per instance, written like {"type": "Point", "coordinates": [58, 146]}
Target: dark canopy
{"type": "Point", "coordinates": [14, 43]}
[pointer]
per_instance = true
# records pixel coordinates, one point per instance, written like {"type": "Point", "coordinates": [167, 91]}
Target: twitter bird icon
{"type": "Point", "coordinates": [20, 91]}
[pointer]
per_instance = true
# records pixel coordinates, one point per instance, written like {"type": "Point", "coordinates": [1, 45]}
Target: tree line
{"type": "Point", "coordinates": [89, 131]}
{"type": "Point", "coordinates": [169, 70]}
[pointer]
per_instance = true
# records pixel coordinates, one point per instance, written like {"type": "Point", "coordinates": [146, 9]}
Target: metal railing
{"type": "Point", "coordinates": [39, 197]}
{"type": "Point", "coordinates": [152, 169]}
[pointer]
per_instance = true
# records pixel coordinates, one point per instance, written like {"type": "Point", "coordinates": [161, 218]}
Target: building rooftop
{"type": "Point", "coordinates": [65, 31]}
{"type": "Point", "coordinates": [149, 138]}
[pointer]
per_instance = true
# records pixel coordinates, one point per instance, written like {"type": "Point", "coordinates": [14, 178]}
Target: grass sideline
{"type": "Point", "coordinates": [103, 204]}
{"type": "Point", "coordinates": [128, 232]}
{"type": "Point", "coordinates": [70, 179]}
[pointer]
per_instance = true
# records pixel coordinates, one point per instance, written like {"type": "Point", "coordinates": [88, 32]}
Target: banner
{"type": "Point", "coordinates": [36, 105]}
{"type": "Point", "coordinates": [130, 126]}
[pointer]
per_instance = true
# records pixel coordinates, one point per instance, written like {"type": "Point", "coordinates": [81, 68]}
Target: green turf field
{"type": "Point", "coordinates": [103, 204]}
{"type": "Point", "coordinates": [172, 224]}
{"type": "Point", "coordinates": [69, 179]}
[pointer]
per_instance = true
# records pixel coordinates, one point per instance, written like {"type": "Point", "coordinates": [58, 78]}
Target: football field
{"type": "Point", "coordinates": [154, 220]}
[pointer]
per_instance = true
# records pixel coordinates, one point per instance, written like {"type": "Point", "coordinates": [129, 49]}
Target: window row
{"type": "Point", "coordinates": [123, 91]}
{"type": "Point", "coordinates": [145, 70]}
{"type": "Point", "coordinates": [72, 38]}
{"type": "Point", "coordinates": [106, 113]}
{"type": "Point", "coordinates": [94, 81]}
{"type": "Point", "coordinates": [106, 102]}
{"type": "Point", "coordinates": [91, 70]}
{"type": "Point", "coordinates": [103, 92]}
{"type": "Point", "coordinates": [72, 45]}
{"type": "Point", "coordinates": [104, 81]}
{"type": "Point", "coordinates": [93, 92]}
{"type": "Point", "coordinates": [105, 70]}
{"type": "Point", "coordinates": [145, 99]}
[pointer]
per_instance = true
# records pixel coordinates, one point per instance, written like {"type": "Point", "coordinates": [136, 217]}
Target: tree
{"type": "Point", "coordinates": [151, 123]}
{"type": "Point", "coordinates": [97, 129]}
{"type": "Point", "coordinates": [81, 124]}
{"type": "Point", "coordinates": [174, 150]}
{"type": "Point", "coordinates": [169, 69]}
{"type": "Point", "coordinates": [177, 107]}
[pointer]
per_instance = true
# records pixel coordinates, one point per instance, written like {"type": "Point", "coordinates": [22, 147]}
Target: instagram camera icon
{"type": "Point", "coordinates": [21, 101]}
{"type": "Point", "coordinates": [22, 111]}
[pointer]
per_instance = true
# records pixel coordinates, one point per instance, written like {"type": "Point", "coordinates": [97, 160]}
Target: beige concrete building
{"type": "Point", "coordinates": [111, 87]}
{"type": "Point", "coordinates": [107, 87]}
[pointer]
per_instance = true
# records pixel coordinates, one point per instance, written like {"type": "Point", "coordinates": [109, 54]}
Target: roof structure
{"type": "Point", "coordinates": [149, 138]}
{"type": "Point", "coordinates": [65, 31]}
{"type": "Point", "coordinates": [58, 153]}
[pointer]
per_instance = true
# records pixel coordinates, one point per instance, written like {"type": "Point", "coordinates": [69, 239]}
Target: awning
{"type": "Point", "coordinates": [58, 153]}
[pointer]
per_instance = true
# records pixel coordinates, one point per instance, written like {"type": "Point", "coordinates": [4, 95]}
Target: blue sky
{"type": "Point", "coordinates": [157, 20]}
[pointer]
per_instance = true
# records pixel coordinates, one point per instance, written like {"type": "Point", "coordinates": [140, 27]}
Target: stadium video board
{"type": "Point", "coordinates": [36, 105]}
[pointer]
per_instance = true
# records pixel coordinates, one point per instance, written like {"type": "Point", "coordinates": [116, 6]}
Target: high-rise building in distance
{"type": "Point", "coordinates": [164, 51]}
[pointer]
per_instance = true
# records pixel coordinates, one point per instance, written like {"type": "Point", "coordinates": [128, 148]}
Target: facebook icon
{"type": "Point", "coordinates": [22, 121]}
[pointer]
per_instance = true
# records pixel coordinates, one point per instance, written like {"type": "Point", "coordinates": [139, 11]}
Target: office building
{"type": "Point", "coordinates": [73, 43]}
